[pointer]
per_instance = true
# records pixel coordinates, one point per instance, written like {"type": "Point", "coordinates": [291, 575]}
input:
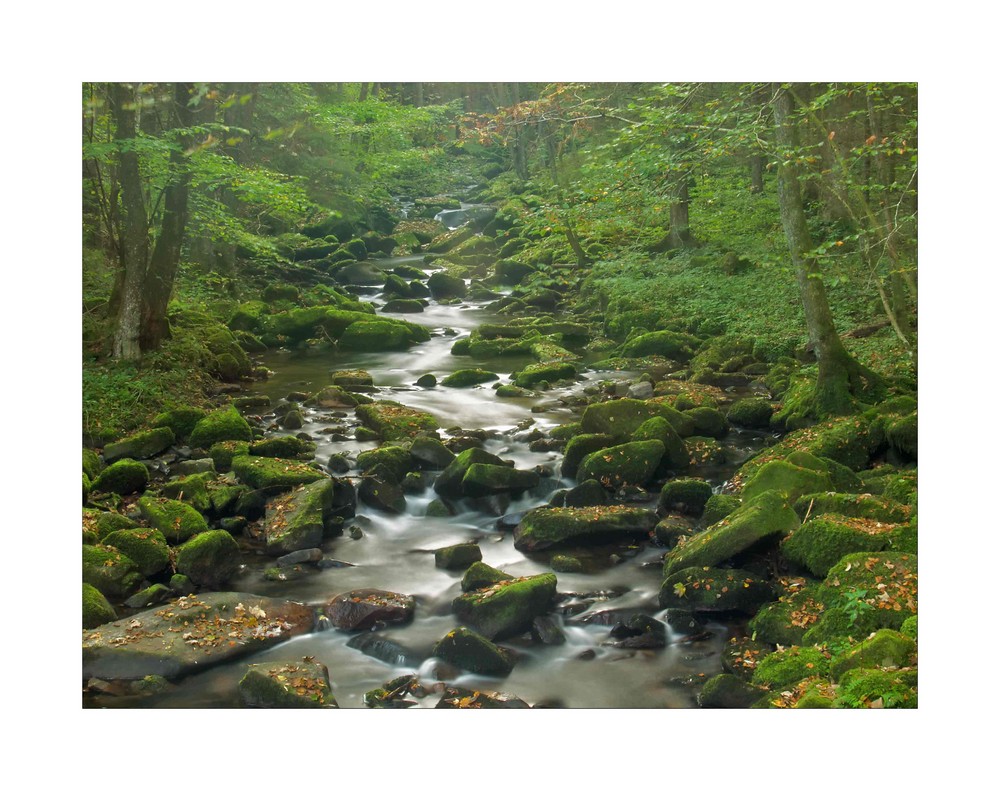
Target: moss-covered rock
{"type": "Point", "coordinates": [356, 380]}
{"type": "Point", "coordinates": [123, 477]}
{"type": "Point", "coordinates": [676, 455]}
{"type": "Point", "coordinates": [483, 480]}
{"type": "Point", "coordinates": [823, 540]}
{"type": "Point", "coordinates": [393, 421]}
{"type": "Point", "coordinates": [458, 556]}
{"type": "Point", "coordinates": [468, 377]}
{"type": "Point", "coordinates": [286, 447]}
{"type": "Point", "coordinates": [445, 286]}
{"type": "Point", "coordinates": [113, 573]}
{"type": "Point", "coordinates": [755, 413]}
{"type": "Point", "coordinates": [546, 527]}
{"type": "Point", "coordinates": [96, 608]}
{"type": "Point", "coordinates": [787, 480]}
{"type": "Point", "coordinates": [506, 608]}
{"type": "Point", "coordinates": [632, 463]}
{"type": "Point", "coordinates": [223, 424]}
{"type": "Point", "coordinates": [786, 621]}
{"type": "Point", "coordinates": [622, 417]}
{"type": "Point", "coordinates": [718, 507]}
{"type": "Point", "coordinates": [449, 482]}
{"type": "Point", "coordinates": [92, 464]}
{"type": "Point", "coordinates": [470, 651]}
{"type": "Point", "coordinates": [684, 496]}
{"type": "Point", "coordinates": [707, 422]}
{"type": "Point", "coordinates": [430, 453]}
{"type": "Point", "coordinates": [664, 343]}
{"type": "Point", "coordinates": [192, 489]}
{"type": "Point", "coordinates": [260, 472]}
{"type": "Point", "coordinates": [861, 506]}
{"type": "Point", "coordinates": [726, 691]}
{"type": "Point", "coordinates": [223, 453]}
{"type": "Point", "coordinates": [177, 521]}
{"type": "Point", "coordinates": [909, 627]}
{"type": "Point", "coordinates": [767, 516]}
{"type": "Point", "coordinates": [480, 575]}
{"type": "Point", "coordinates": [706, 589]}
{"type": "Point", "coordinates": [882, 649]}
{"type": "Point", "coordinates": [403, 306]}
{"type": "Point", "coordinates": [146, 547]}
{"type": "Point", "coordinates": [532, 375]}
{"type": "Point", "coordinates": [297, 520]}
{"type": "Point", "coordinates": [377, 336]}
{"type": "Point", "coordinates": [902, 435]}
{"type": "Point", "coordinates": [395, 459]}
{"type": "Point", "coordinates": [704, 451]}
{"type": "Point", "coordinates": [287, 685]}
{"type": "Point", "coordinates": [142, 445]}
{"type": "Point", "coordinates": [209, 559]}
{"type": "Point", "coordinates": [579, 447]}
{"type": "Point", "coordinates": [181, 420]}
{"type": "Point", "coordinates": [783, 669]}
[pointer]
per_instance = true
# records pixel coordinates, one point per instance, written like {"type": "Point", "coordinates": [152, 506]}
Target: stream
{"type": "Point", "coordinates": [396, 551]}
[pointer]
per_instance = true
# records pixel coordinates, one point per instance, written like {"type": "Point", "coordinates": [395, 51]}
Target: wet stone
{"type": "Point", "coordinates": [369, 608]}
{"type": "Point", "coordinates": [313, 555]}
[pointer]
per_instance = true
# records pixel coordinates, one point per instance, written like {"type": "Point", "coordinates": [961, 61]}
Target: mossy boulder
{"type": "Point", "coordinates": [209, 559]}
{"type": "Point", "coordinates": [766, 517]}
{"type": "Point", "coordinates": [902, 435]}
{"type": "Point", "coordinates": [532, 375]}
{"type": "Point", "coordinates": [506, 608]}
{"type": "Point", "coordinates": [223, 424]}
{"type": "Point", "coordinates": [192, 489]}
{"type": "Point", "coordinates": [882, 649]}
{"type": "Point", "coordinates": [468, 377]}
{"type": "Point", "coordinates": [718, 507]}
{"type": "Point", "coordinates": [783, 669]}
{"type": "Point", "coordinates": [260, 472]}
{"type": "Point", "coordinates": [623, 416]}
{"type": "Point", "coordinates": [92, 464]}
{"type": "Point", "coordinates": [286, 447]}
{"type": "Point", "coordinates": [706, 589]}
{"type": "Point", "coordinates": [449, 482]}
{"type": "Point", "coordinates": [823, 540]}
{"type": "Point", "coordinates": [579, 447]}
{"type": "Point", "coordinates": [470, 651]}
{"type": "Point", "coordinates": [752, 413]}
{"type": "Point", "coordinates": [177, 521]}
{"type": "Point", "coordinates": [707, 422]}
{"type": "Point", "coordinates": [223, 453]}
{"type": "Point", "coordinates": [142, 445]}
{"type": "Point", "coordinates": [663, 343]}
{"type": "Point", "coordinates": [786, 621]}
{"type": "Point", "coordinates": [542, 528]}
{"type": "Point", "coordinates": [862, 506]}
{"type": "Point", "coordinates": [458, 556]}
{"type": "Point", "coordinates": [726, 691]}
{"type": "Point", "coordinates": [376, 336]}
{"type": "Point", "coordinates": [787, 480]}
{"type": "Point", "coordinates": [483, 480]}
{"type": "Point", "coordinates": [181, 420]}
{"type": "Point", "coordinates": [676, 454]}
{"type": "Point", "coordinates": [393, 421]}
{"type": "Point", "coordinates": [430, 453]}
{"type": "Point", "coordinates": [297, 520]}
{"type": "Point", "coordinates": [684, 496]}
{"type": "Point", "coordinates": [403, 306]}
{"type": "Point", "coordinates": [395, 459]}
{"type": "Point", "coordinates": [112, 572]}
{"type": "Point", "coordinates": [301, 684]}
{"type": "Point", "coordinates": [355, 380]}
{"type": "Point", "coordinates": [480, 575]}
{"type": "Point", "coordinates": [632, 463]}
{"type": "Point", "coordinates": [123, 477]}
{"type": "Point", "coordinates": [96, 608]}
{"type": "Point", "coordinates": [446, 286]}
{"type": "Point", "coordinates": [909, 627]}
{"type": "Point", "coordinates": [145, 546]}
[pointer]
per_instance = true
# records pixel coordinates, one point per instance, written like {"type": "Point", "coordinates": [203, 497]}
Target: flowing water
{"type": "Point", "coordinates": [396, 551]}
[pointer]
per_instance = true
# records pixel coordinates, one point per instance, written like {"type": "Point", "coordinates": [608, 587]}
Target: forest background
{"type": "Point", "coordinates": [949, 57]}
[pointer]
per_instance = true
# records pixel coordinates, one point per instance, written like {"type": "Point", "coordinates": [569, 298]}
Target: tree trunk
{"type": "Point", "coordinates": [162, 269]}
{"type": "Point", "coordinates": [133, 236]}
{"type": "Point", "coordinates": [680, 231]}
{"type": "Point", "coordinates": [756, 173]}
{"type": "Point", "coordinates": [841, 377]}
{"type": "Point", "coordinates": [363, 95]}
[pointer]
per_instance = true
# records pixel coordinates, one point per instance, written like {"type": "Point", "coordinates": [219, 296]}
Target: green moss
{"type": "Point", "coordinates": [706, 589]}
{"type": "Point", "coordinates": [287, 685]}
{"type": "Point", "coordinates": [623, 416]}
{"type": "Point", "coordinates": [396, 459]}
{"type": "Point", "coordinates": [565, 432]}
{"type": "Point", "coordinates": [786, 621]}
{"type": "Point", "coordinates": [177, 521]}
{"type": "Point", "coordinates": [223, 424]}
{"type": "Point", "coordinates": [676, 455]}
{"type": "Point", "coordinates": [532, 375]}
{"type": "Point", "coordinates": [579, 447]}
{"type": "Point", "coordinates": [464, 648]}
{"type": "Point", "coordinates": [122, 477]}
{"type": "Point", "coordinates": [783, 669]}
{"type": "Point", "coordinates": [96, 608]}
{"type": "Point", "coordinates": [209, 559]}
{"type": "Point", "coordinates": [286, 447]}
{"type": "Point", "coordinates": [393, 421]}
{"type": "Point", "coordinates": [672, 345]}
{"type": "Point", "coordinates": [545, 527]}
{"type": "Point", "coordinates": [726, 691]}
{"type": "Point", "coordinates": [685, 496]}
{"type": "Point", "coordinates": [468, 377]}
{"type": "Point", "coordinates": [633, 463]}
{"type": "Point", "coordinates": [902, 434]}
{"type": "Point", "coordinates": [507, 608]}
{"type": "Point", "coordinates": [449, 482]}
{"type": "Point", "coordinates": [260, 472]}
{"type": "Point", "coordinates": [766, 516]}
{"type": "Point", "coordinates": [192, 489]}
{"type": "Point", "coordinates": [753, 413]}
{"type": "Point", "coordinates": [181, 420]}
{"type": "Point", "coordinates": [822, 541]}
{"type": "Point", "coordinates": [459, 556]}
{"type": "Point", "coordinates": [718, 507]}
{"type": "Point", "coordinates": [479, 575]}
{"type": "Point", "coordinates": [92, 464]}
{"type": "Point", "coordinates": [786, 479]}
{"type": "Point", "coordinates": [861, 506]}
{"type": "Point", "coordinates": [146, 547]}
{"type": "Point", "coordinates": [909, 627]}
{"type": "Point", "coordinates": [704, 451]}
{"type": "Point", "coordinates": [374, 336]}
{"type": "Point", "coordinates": [882, 649]}
{"type": "Point", "coordinates": [223, 453]}
{"type": "Point", "coordinates": [110, 571]}
{"type": "Point", "coordinates": [707, 421]}
{"type": "Point", "coordinates": [482, 480]}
